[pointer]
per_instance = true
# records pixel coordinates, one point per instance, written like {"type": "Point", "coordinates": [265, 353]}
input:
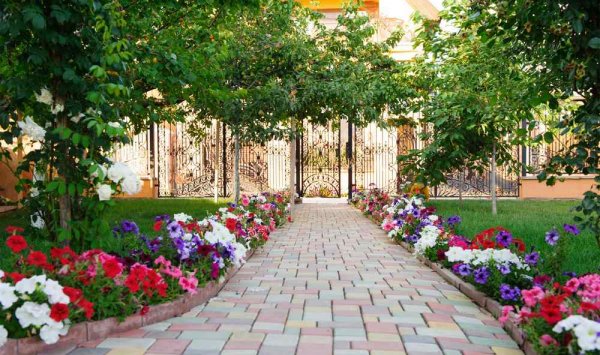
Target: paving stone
{"type": "Point", "coordinates": [130, 343]}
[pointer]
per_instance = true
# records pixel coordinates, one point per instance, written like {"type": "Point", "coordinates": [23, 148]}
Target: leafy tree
{"type": "Point", "coordinates": [563, 37]}
{"type": "Point", "coordinates": [275, 67]}
{"type": "Point", "coordinates": [473, 101]}
{"type": "Point", "coordinates": [74, 75]}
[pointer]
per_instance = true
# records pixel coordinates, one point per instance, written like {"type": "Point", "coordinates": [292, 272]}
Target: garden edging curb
{"type": "Point", "coordinates": [485, 302]}
{"type": "Point", "coordinates": [83, 332]}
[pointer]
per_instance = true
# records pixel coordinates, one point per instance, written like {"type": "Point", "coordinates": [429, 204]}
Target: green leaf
{"type": "Point", "coordinates": [594, 43]}
{"type": "Point", "coordinates": [548, 137]}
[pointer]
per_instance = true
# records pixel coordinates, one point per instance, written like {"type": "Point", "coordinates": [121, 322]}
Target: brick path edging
{"type": "Point", "coordinates": [485, 302]}
{"type": "Point", "coordinates": [93, 330]}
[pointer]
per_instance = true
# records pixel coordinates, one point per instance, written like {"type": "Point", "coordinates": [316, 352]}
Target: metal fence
{"type": "Point", "coordinates": [331, 160]}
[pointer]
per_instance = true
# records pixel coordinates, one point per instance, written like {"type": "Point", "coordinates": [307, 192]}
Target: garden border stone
{"type": "Point", "coordinates": [485, 302]}
{"type": "Point", "coordinates": [83, 332]}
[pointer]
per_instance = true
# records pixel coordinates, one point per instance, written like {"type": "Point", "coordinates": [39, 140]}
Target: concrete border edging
{"type": "Point", "coordinates": [83, 332]}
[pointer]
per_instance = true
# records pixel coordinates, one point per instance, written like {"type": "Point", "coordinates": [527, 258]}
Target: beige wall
{"type": "Point", "coordinates": [572, 187]}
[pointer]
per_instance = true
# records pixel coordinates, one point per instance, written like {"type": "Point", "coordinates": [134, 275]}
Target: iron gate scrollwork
{"type": "Point", "coordinates": [320, 161]}
{"type": "Point", "coordinates": [186, 165]}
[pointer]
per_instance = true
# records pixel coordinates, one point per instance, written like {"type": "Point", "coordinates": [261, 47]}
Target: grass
{"type": "Point", "coordinates": [528, 220]}
{"type": "Point", "coordinates": [141, 211]}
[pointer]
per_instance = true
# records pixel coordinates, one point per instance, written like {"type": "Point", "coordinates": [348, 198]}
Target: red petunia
{"type": "Point", "coordinates": [144, 310]}
{"type": "Point", "coordinates": [112, 268]}
{"type": "Point", "coordinates": [205, 249]}
{"type": "Point", "coordinates": [88, 308]}
{"type": "Point", "coordinates": [231, 224]}
{"type": "Point", "coordinates": [157, 226]}
{"type": "Point", "coordinates": [14, 229]}
{"type": "Point", "coordinates": [15, 276]}
{"type": "Point", "coordinates": [37, 258]}
{"type": "Point", "coordinates": [74, 294]}
{"type": "Point", "coordinates": [59, 312]}
{"type": "Point", "coordinates": [16, 243]}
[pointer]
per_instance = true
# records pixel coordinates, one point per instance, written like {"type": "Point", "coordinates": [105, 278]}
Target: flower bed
{"type": "Point", "coordinates": [558, 312]}
{"type": "Point", "coordinates": [46, 295]}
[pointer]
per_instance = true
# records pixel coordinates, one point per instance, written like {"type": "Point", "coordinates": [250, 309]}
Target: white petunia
{"type": "Point", "coordinates": [37, 221]}
{"type": "Point", "coordinates": [32, 129]}
{"type": "Point", "coordinates": [55, 292]}
{"type": "Point", "coordinates": [104, 191]}
{"type": "Point", "coordinates": [131, 185]}
{"type": "Point", "coordinates": [29, 284]}
{"type": "Point", "coordinates": [31, 313]}
{"type": "Point", "coordinates": [1, 274]}
{"type": "Point", "coordinates": [428, 238]}
{"type": "Point", "coordinates": [585, 330]}
{"type": "Point", "coordinates": [51, 332]}
{"type": "Point", "coordinates": [219, 234]}
{"type": "Point", "coordinates": [3, 335]}
{"type": "Point", "coordinates": [7, 295]}
{"type": "Point", "coordinates": [239, 254]}
{"type": "Point", "coordinates": [182, 217]}
{"type": "Point", "coordinates": [45, 97]}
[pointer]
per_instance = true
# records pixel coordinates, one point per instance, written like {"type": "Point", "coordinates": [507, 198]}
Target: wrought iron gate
{"type": "Point", "coordinates": [320, 161]}
{"type": "Point", "coordinates": [186, 165]}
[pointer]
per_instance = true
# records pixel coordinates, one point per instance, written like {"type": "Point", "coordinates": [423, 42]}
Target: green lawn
{"type": "Point", "coordinates": [528, 220]}
{"type": "Point", "coordinates": [141, 211]}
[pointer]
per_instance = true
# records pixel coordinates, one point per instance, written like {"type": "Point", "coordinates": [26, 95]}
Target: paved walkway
{"type": "Point", "coordinates": [329, 283]}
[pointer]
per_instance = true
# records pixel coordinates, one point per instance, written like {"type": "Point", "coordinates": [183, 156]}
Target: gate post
{"type": "Point", "coordinates": [349, 154]}
{"type": "Point", "coordinates": [224, 160]}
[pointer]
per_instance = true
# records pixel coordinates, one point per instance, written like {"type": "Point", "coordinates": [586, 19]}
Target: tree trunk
{"type": "Point", "coordinates": [461, 179]}
{"type": "Point", "coordinates": [64, 201]}
{"type": "Point", "coordinates": [217, 157]}
{"type": "Point", "coordinates": [236, 168]}
{"type": "Point", "coordinates": [493, 180]}
{"type": "Point", "coordinates": [292, 173]}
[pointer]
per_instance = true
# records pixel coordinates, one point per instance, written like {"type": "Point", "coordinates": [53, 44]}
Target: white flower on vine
{"type": "Point", "coordinates": [37, 221]}
{"type": "Point", "coordinates": [34, 192]}
{"type": "Point", "coordinates": [32, 129]}
{"type": "Point", "coordinates": [104, 191]}
{"type": "Point", "coordinates": [115, 124]}
{"type": "Point", "coordinates": [57, 108]}
{"type": "Point", "coordinates": [45, 97]}
{"type": "Point", "coordinates": [77, 118]}
{"type": "Point", "coordinates": [131, 185]}
{"type": "Point", "coordinates": [119, 171]}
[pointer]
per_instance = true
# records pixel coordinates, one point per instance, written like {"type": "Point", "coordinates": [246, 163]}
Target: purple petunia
{"type": "Point", "coordinates": [481, 275]}
{"type": "Point", "coordinates": [504, 269]}
{"type": "Point", "coordinates": [552, 237]}
{"type": "Point", "coordinates": [509, 293]}
{"type": "Point", "coordinates": [462, 269]}
{"type": "Point", "coordinates": [532, 258]}
{"type": "Point", "coordinates": [129, 227]}
{"type": "Point", "coordinates": [571, 228]}
{"type": "Point", "coordinates": [454, 220]}
{"type": "Point", "coordinates": [175, 230]}
{"type": "Point", "coordinates": [504, 238]}
{"type": "Point", "coordinates": [413, 238]}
